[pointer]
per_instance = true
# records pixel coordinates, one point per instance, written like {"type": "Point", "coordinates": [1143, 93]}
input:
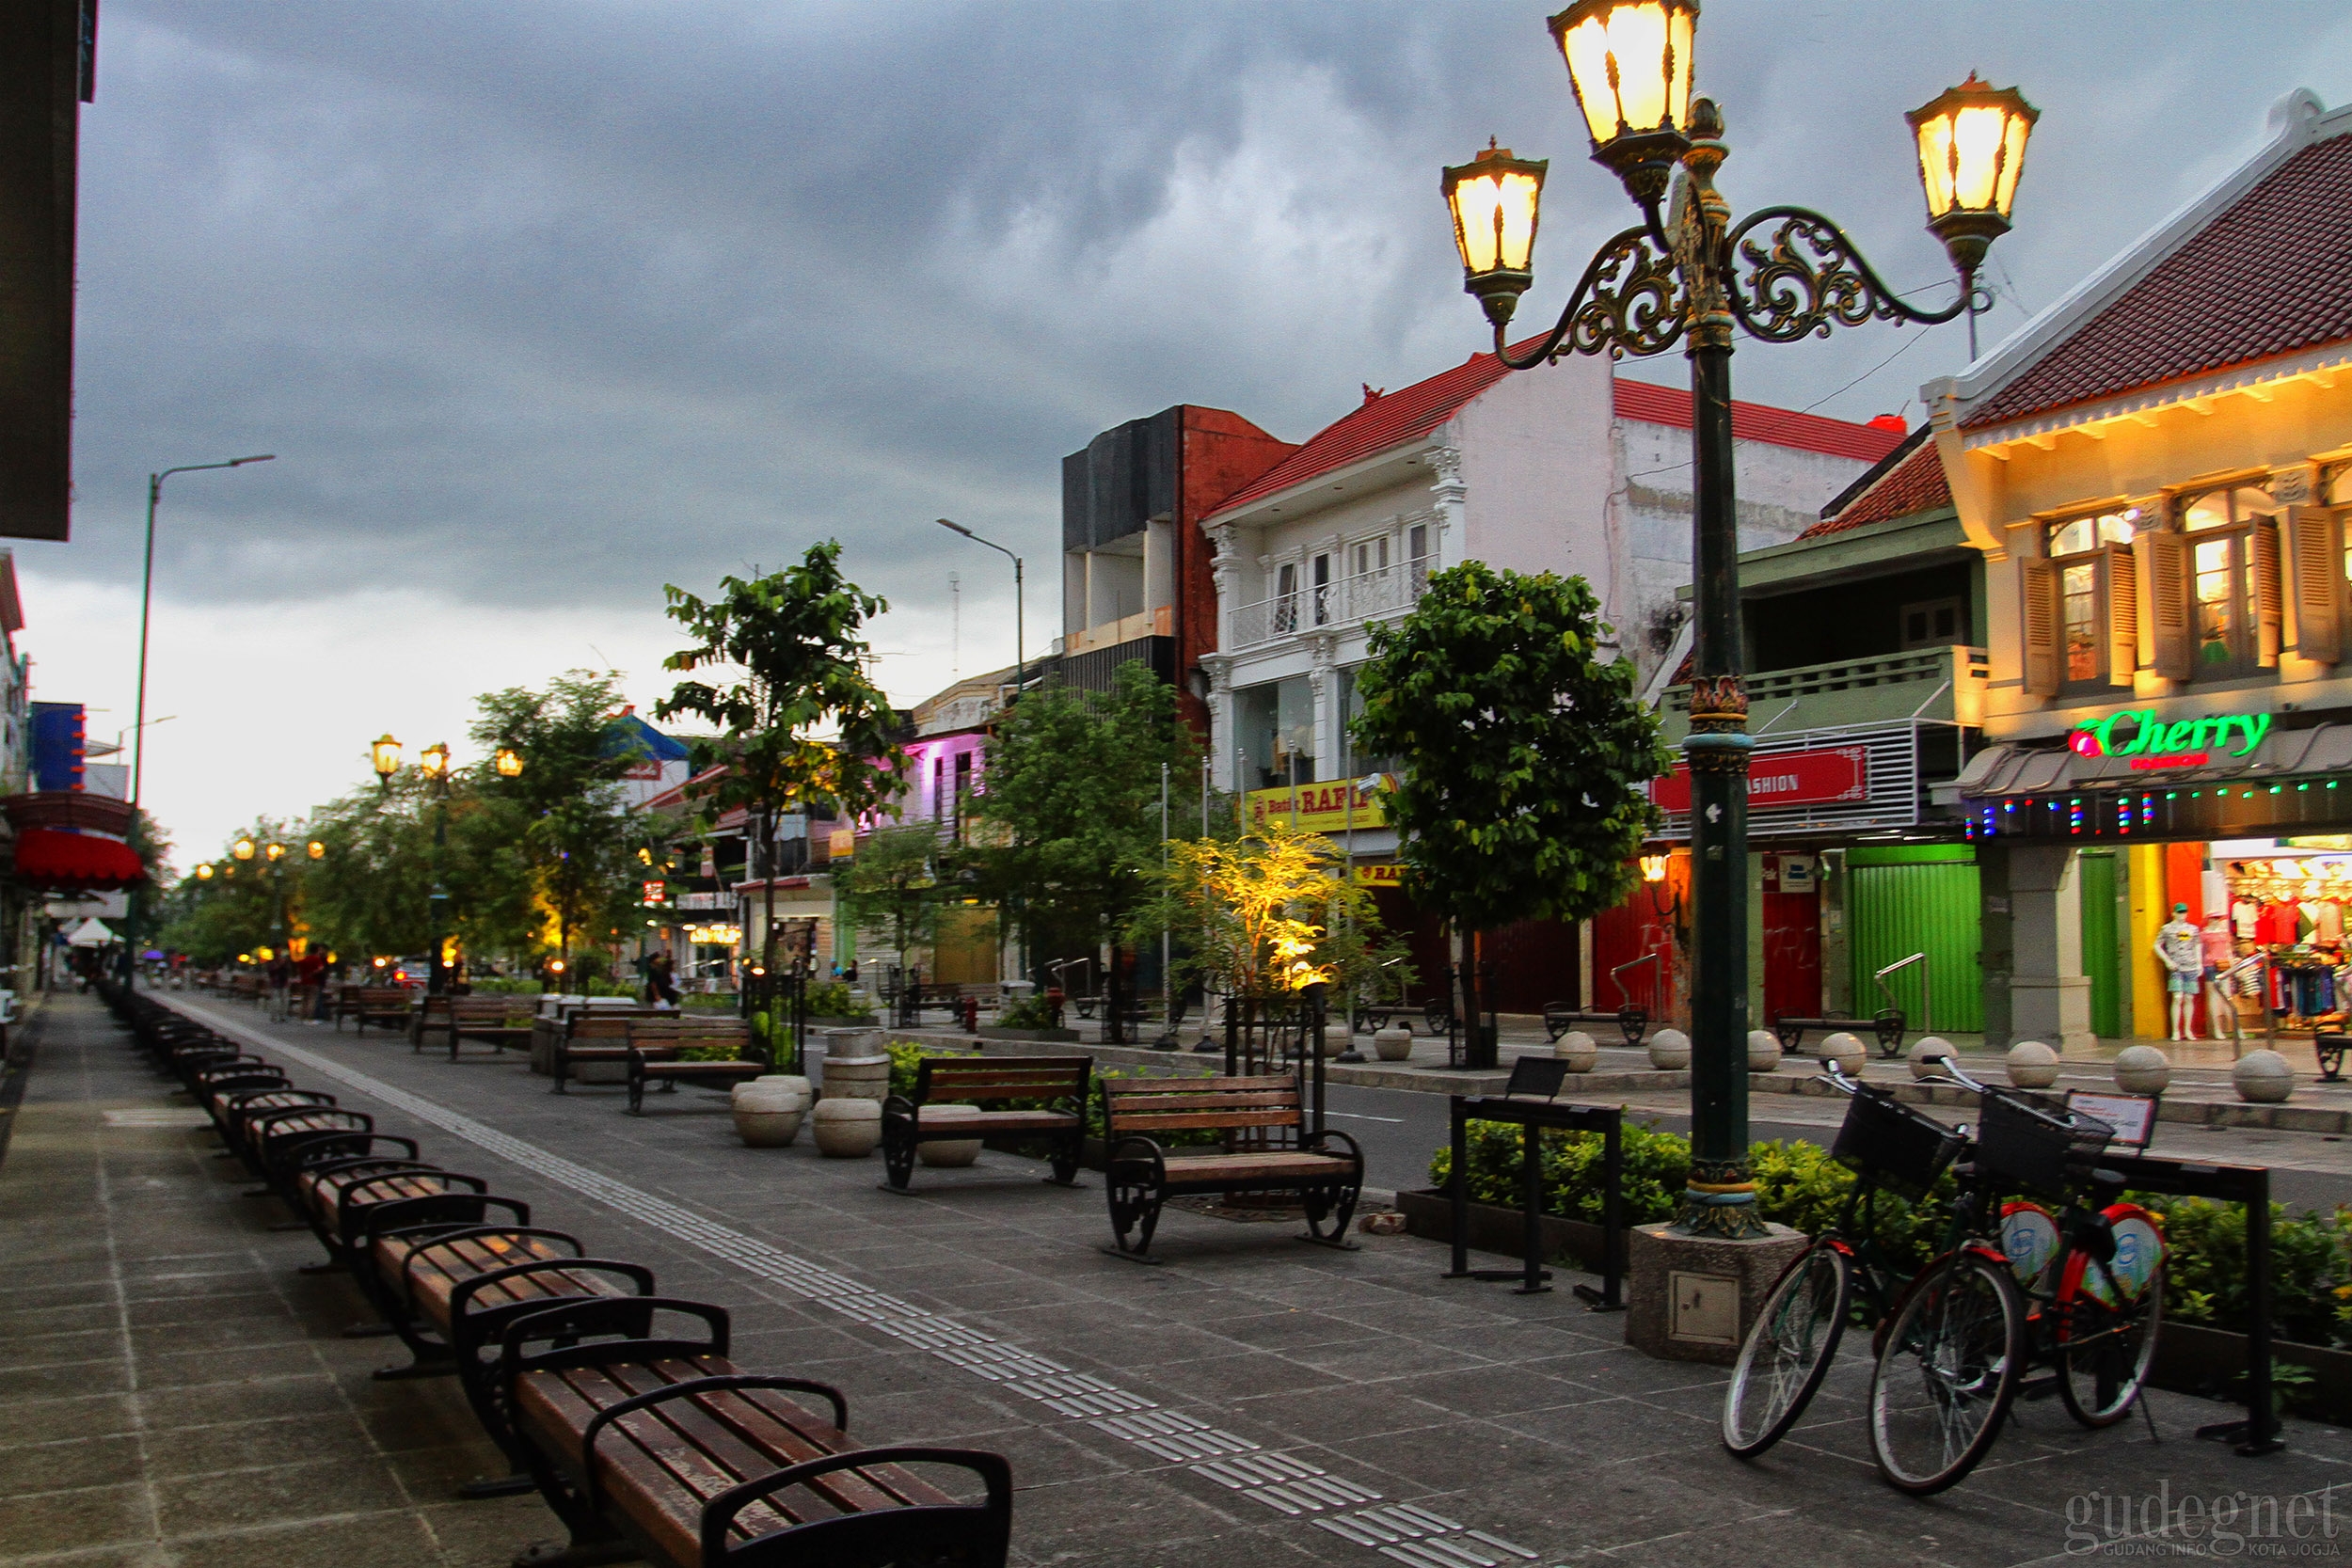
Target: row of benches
{"type": "Point", "coordinates": [620, 1405]}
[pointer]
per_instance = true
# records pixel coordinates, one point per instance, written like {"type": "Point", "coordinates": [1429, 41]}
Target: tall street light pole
{"type": "Point", "coordinates": [1688, 274]}
{"type": "Point", "coordinates": [138, 726]}
{"type": "Point", "coordinates": [1020, 655]}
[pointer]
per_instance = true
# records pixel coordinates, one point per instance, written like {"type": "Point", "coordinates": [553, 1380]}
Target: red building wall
{"type": "Point", "coordinates": [1221, 451]}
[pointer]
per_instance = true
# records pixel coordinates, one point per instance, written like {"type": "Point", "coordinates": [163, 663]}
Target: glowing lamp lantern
{"type": "Point", "coordinates": [1653, 868]}
{"type": "Point", "coordinates": [1493, 199]}
{"type": "Point", "coordinates": [384, 755]}
{"type": "Point", "coordinates": [1629, 62]}
{"type": "Point", "coordinates": [1972, 149]}
{"type": "Point", "coordinates": [317, 852]}
{"type": "Point", "coordinates": [509, 763]}
{"type": "Point", "coordinates": [243, 850]}
{"type": "Point", "coordinates": [275, 852]}
{"type": "Point", "coordinates": [204, 871]}
{"type": "Point", "coordinates": [433, 762]}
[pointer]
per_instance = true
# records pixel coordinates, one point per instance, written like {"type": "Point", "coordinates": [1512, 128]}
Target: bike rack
{"type": "Point", "coordinates": [1927, 988]}
{"type": "Point", "coordinates": [1657, 978]}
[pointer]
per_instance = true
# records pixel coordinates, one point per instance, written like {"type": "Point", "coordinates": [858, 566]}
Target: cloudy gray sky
{"type": "Point", "coordinates": [542, 305]}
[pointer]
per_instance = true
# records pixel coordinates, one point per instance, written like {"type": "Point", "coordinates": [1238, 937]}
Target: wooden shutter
{"type": "Point", "coordinates": [2270, 599]}
{"type": "Point", "coordinates": [2314, 544]}
{"type": "Point", "coordinates": [2122, 589]}
{"type": "Point", "coordinates": [2172, 649]}
{"type": "Point", "coordinates": [2045, 667]}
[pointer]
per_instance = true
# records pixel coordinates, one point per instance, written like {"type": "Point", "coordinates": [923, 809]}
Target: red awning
{"type": "Point", "coordinates": [55, 861]}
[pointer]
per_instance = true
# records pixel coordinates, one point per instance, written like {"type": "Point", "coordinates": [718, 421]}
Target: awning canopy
{"type": "Point", "coordinates": [2058, 769]}
{"type": "Point", "coordinates": [92, 932]}
{"type": "Point", "coordinates": [53, 859]}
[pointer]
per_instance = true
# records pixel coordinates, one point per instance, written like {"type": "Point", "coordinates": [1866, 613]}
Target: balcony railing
{"type": "Point", "coordinates": [1945, 685]}
{"type": "Point", "coordinates": [1372, 595]}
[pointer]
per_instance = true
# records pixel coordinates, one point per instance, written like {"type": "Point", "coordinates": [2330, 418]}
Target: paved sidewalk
{"type": "Point", "coordinates": [1253, 1401]}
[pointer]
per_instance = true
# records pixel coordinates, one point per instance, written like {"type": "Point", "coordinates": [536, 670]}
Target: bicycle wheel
{"type": "Point", "coordinates": [1946, 1371]}
{"type": "Point", "coordinates": [1788, 1350]}
{"type": "Point", "coordinates": [2108, 1319]}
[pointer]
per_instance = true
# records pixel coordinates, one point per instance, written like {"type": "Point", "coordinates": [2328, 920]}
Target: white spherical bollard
{"type": "Point", "coordinates": [2143, 1070]}
{"type": "Point", "coordinates": [949, 1152]}
{"type": "Point", "coordinates": [1928, 1056]}
{"type": "Point", "coordinates": [2033, 1065]}
{"type": "Point", "coordinates": [769, 1111]}
{"type": "Point", "coordinates": [847, 1129]}
{"type": "Point", "coordinates": [1670, 1051]}
{"type": "Point", "coordinates": [2262, 1078]}
{"type": "Point", "coordinates": [1846, 1051]}
{"type": "Point", "coordinates": [1763, 1050]}
{"type": "Point", "coordinates": [1579, 1050]}
{"type": "Point", "coordinates": [1394, 1044]}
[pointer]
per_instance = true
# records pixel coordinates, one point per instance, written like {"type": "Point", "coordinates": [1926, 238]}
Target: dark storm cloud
{"type": "Point", "coordinates": [565, 300]}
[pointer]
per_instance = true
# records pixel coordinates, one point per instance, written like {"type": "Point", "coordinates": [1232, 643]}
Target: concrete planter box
{"type": "Point", "coordinates": [1066, 1037]}
{"type": "Point", "coordinates": [1495, 1228]}
{"type": "Point", "coordinates": [2194, 1359]}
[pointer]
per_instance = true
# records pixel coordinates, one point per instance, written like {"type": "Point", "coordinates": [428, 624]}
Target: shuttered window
{"type": "Point", "coordinates": [2237, 598]}
{"type": "Point", "coordinates": [2173, 650]}
{"type": "Point", "coordinates": [2038, 586]}
{"type": "Point", "coordinates": [2097, 621]}
{"type": "Point", "coordinates": [2315, 549]}
{"type": "Point", "coordinates": [2122, 614]}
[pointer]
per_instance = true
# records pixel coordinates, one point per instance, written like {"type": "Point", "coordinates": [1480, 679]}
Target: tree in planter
{"type": "Point", "coordinates": [892, 891]}
{"type": "Point", "coordinates": [802, 726]}
{"type": "Point", "coordinates": [1069, 814]}
{"type": "Point", "coordinates": [1525, 755]}
{"type": "Point", "coordinates": [1269, 911]}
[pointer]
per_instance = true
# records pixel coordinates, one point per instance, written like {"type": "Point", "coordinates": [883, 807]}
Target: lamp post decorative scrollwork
{"type": "Point", "coordinates": [1690, 274]}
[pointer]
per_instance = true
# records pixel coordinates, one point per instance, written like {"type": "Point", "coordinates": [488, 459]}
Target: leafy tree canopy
{"type": "Point", "coordinates": [1525, 752]}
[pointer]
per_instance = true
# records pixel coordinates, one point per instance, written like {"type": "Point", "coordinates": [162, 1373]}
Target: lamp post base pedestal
{"type": "Point", "coordinates": [1691, 1298]}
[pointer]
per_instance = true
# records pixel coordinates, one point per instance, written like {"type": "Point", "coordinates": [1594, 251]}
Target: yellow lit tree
{"type": "Point", "coordinates": [1270, 912]}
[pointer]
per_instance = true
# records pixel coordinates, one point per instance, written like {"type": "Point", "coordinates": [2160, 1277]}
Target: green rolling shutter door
{"type": "Point", "coordinates": [1912, 898]}
{"type": "Point", "coordinates": [2103, 941]}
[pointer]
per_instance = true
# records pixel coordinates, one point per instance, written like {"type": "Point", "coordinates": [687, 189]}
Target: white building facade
{"type": "Point", "coordinates": [1570, 468]}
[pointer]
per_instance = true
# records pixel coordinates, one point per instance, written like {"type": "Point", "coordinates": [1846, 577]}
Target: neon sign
{"type": "Point", "coordinates": [2145, 741]}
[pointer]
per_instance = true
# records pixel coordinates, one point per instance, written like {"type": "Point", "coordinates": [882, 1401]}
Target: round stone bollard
{"type": "Point", "coordinates": [847, 1129]}
{"type": "Point", "coordinates": [1929, 1054]}
{"type": "Point", "coordinates": [2033, 1065]}
{"type": "Point", "coordinates": [1670, 1051]}
{"type": "Point", "coordinates": [949, 1152]}
{"type": "Point", "coordinates": [769, 1110]}
{"type": "Point", "coordinates": [1763, 1050]}
{"type": "Point", "coordinates": [2143, 1070]}
{"type": "Point", "coordinates": [2262, 1078]}
{"type": "Point", "coordinates": [1394, 1044]}
{"type": "Point", "coordinates": [1579, 1050]}
{"type": "Point", "coordinates": [1846, 1051]}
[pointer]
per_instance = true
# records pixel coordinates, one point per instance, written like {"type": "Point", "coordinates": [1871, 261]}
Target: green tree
{"type": "Point", "coordinates": [802, 726]}
{"type": "Point", "coordinates": [1069, 811]}
{"type": "Point", "coordinates": [893, 889]}
{"type": "Point", "coordinates": [564, 816]}
{"type": "Point", "coordinates": [1269, 910]}
{"type": "Point", "coordinates": [243, 905]}
{"type": "Point", "coordinates": [1525, 754]}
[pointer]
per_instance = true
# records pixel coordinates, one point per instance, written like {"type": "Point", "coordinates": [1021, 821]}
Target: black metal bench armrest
{"type": "Point", "coordinates": [691, 1386]}
{"type": "Point", "coordinates": [569, 1320]}
{"type": "Point", "coordinates": [900, 1533]}
{"type": "Point", "coordinates": [1151, 1151]}
{"type": "Point", "coordinates": [1355, 1149]}
{"type": "Point", "coordinates": [636, 1274]}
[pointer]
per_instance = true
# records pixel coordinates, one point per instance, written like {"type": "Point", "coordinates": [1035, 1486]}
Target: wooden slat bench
{"type": "Point", "coordinates": [242, 1115]}
{"type": "Point", "coordinates": [1062, 1081]}
{"type": "Point", "coordinates": [403, 1206]}
{"type": "Point", "coordinates": [1252, 1112]}
{"type": "Point", "coordinates": [1560, 1017]}
{"type": "Point", "coordinates": [659, 1061]}
{"type": "Point", "coordinates": [661, 1444]}
{"type": "Point", "coordinates": [386, 1007]}
{"type": "Point", "coordinates": [495, 1020]}
{"type": "Point", "coordinates": [1889, 1025]}
{"type": "Point", "coordinates": [467, 1285]}
{"type": "Point", "coordinates": [609, 1034]}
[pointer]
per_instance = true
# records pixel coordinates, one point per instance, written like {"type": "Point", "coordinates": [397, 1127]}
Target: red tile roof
{"type": "Point", "coordinates": [2269, 276]}
{"type": "Point", "coordinates": [1392, 418]}
{"type": "Point", "coordinates": [1649, 403]}
{"type": "Point", "coordinates": [1914, 484]}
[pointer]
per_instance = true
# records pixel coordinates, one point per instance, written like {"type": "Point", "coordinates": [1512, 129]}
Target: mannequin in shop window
{"type": "Point", "coordinates": [2180, 947]}
{"type": "Point", "coordinates": [2221, 953]}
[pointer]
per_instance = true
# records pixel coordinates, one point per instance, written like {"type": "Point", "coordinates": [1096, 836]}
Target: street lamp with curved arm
{"type": "Point", "coordinates": [1689, 275]}
{"type": "Point", "coordinates": [1020, 652]}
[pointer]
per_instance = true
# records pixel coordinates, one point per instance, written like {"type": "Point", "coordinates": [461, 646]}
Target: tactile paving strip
{"type": "Point", "coordinates": [1284, 1482]}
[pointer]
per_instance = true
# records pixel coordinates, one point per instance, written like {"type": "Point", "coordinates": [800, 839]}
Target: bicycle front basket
{"type": "Point", "coordinates": [1885, 1140]}
{"type": "Point", "coordinates": [2034, 1145]}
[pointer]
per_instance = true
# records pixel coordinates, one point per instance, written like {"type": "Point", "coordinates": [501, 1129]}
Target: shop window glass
{"type": "Point", "coordinates": [1274, 733]}
{"type": "Point", "coordinates": [2227, 567]}
{"type": "Point", "coordinates": [1355, 763]}
{"type": "Point", "coordinates": [2078, 546]}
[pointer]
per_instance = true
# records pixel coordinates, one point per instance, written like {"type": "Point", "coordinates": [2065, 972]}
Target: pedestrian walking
{"type": "Point", "coordinates": [660, 985]}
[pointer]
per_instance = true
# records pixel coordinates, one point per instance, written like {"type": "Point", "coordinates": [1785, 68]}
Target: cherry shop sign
{"type": "Point", "coordinates": [1832, 776]}
{"type": "Point", "coordinates": [2143, 740]}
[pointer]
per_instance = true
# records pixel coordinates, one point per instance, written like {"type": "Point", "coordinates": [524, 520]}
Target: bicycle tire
{"type": "Point", "coordinates": [1788, 1350]}
{"type": "Point", "coordinates": [1946, 1373]}
{"type": "Point", "coordinates": [2109, 1322]}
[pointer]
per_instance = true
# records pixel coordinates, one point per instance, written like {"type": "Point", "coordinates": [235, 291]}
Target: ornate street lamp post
{"type": "Point", "coordinates": [1688, 274]}
{"type": "Point", "coordinates": [433, 762]}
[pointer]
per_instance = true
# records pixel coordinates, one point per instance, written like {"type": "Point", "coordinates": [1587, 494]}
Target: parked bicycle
{"type": "Point", "coordinates": [2078, 1293]}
